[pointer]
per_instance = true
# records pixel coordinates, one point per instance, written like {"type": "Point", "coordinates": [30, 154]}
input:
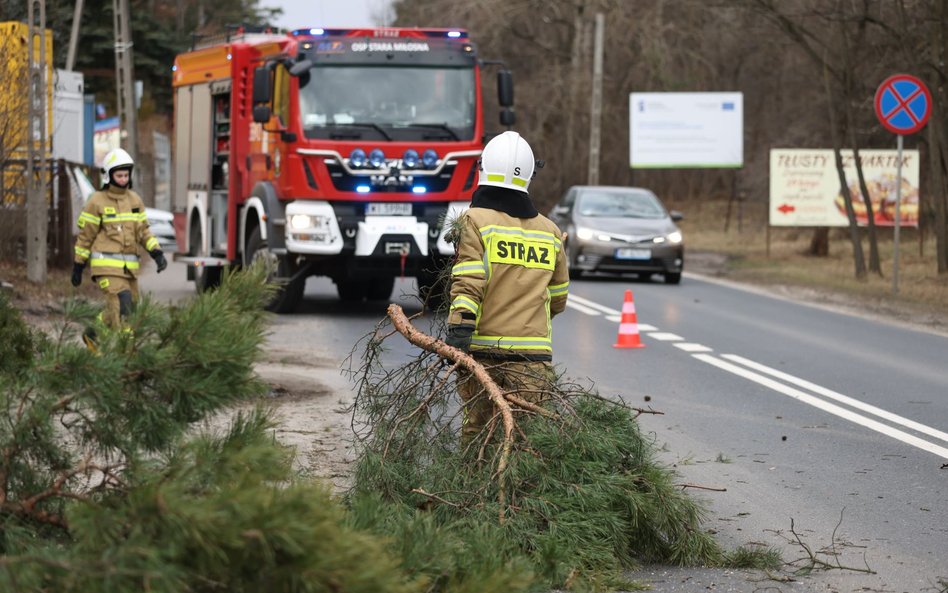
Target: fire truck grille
{"type": "Point", "coordinates": [388, 182]}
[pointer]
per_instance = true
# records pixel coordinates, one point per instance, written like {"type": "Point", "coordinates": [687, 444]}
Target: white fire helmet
{"type": "Point", "coordinates": [507, 161]}
{"type": "Point", "coordinates": [115, 159]}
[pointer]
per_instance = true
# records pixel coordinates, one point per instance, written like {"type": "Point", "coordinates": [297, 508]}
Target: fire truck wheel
{"type": "Point", "coordinates": [205, 278]}
{"type": "Point", "coordinates": [288, 297]}
{"type": "Point", "coordinates": [352, 291]}
{"type": "Point", "coordinates": [380, 288]}
{"type": "Point", "coordinates": [432, 289]}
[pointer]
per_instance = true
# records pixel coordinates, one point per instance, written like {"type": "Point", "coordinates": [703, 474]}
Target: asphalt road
{"type": "Point", "coordinates": [832, 423]}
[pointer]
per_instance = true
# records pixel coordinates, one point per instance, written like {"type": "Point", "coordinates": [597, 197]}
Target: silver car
{"type": "Point", "coordinates": [619, 230]}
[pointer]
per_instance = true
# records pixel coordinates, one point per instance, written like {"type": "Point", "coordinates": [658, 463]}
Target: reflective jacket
{"type": "Point", "coordinates": [509, 280]}
{"type": "Point", "coordinates": [112, 226]}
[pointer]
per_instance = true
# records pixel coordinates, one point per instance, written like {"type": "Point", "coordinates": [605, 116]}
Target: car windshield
{"type": "Point", "coordinates": [615, 204]}
{"type": "Point", "coordinates": [386, 103]}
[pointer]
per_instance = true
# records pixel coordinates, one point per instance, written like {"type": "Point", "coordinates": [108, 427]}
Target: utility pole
{"type": "Point", "coordinates": [125, 80]}
{"type": "Point", "coordinates": [37, 213]}
{"type": "Point", "coordinates": [595, 119]}
{"type": "Point", "coordinates": [74, 36]}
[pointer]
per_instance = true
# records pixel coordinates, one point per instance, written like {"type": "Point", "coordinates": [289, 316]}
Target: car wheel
{"type": "Point", "coordinates": [574, 271]}
{"type": "Point", "coordinates": [288, 296]}
{"type": "Point", "coordinates": [672, 277]}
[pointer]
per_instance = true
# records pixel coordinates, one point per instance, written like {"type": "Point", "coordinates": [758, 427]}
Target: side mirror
{"type": "Point", "coordinates": [559, 210]}
{"type": "Point", "coordinates": [300, 67]}
{"type": "Point", "coordinates": [262, 86]}
{"type": "Point", "coordinates": [676, 215]}
{"type": "Point", "coordinates": [508, 117]}
{"type": "Point", "coordinates": [261, 114]}
{"type": "Point", "coordinates": [505, 90]}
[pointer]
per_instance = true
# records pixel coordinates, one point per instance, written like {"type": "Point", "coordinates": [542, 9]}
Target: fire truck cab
{"type": "Point", "coordinates": [343, 153]}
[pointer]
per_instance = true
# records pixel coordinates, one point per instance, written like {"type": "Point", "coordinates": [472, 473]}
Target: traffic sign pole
{"type": "Point", "coordinates": [898, 219]}
{"type": "Point", "coordinates": [903, 104]}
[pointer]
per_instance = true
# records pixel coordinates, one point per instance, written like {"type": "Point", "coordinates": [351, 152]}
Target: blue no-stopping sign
{"type": "Point", "coordinates": [903, 104]}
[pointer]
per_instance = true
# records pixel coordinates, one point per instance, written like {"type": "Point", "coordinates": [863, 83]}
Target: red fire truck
{"type": "Point", "coordinates": [329, 152]}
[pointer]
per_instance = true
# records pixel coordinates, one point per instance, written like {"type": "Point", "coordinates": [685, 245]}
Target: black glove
{"type": "Point", "coordinates": [159, 257]}
{"type": "Point", "coordinates": [77, 273]}
{"type": "Point", "coordinates": [459, 336]}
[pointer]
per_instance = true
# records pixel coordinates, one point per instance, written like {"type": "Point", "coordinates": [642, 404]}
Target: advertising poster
{"type": "Point", "coordinates": [686, 130]}
{"type": "Point", "coordinates": [805, 191]}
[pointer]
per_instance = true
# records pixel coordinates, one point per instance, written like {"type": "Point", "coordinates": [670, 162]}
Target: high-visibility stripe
{"type": "Point", "coordinates": [125, 217]}
{"type": "Point", "coordinates": [463, 302]}
{"type": "Point", "coordinates": [493, 177]}
{"type": "Point", "coordinates": [558, 289]}
{"type": "Point", "coordinates": [114, 263]}
{"type": "Point", "coordinates": [151, 244]}
{"type": "Point", "coordinates": [83, 252]}
{"type": "Point", "coordinates": [468, 268]}
{"type": "Point", "coordinates": [121, 256]}
{"type": "Point", "coordinates": [492, 229]}
{"type": "Point", "coordinates": [512, 343]}
{"type": "Point", "coordinates": [86, 217]}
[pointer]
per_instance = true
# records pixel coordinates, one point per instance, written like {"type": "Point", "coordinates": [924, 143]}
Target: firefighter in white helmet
{"type": "Point", "coordinates": [112, 227]}
{"type": "Point", "coordinates": [510, 278]}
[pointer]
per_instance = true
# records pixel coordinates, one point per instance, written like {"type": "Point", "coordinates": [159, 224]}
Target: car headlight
{"type": "Point", "coordinates": [301, 221]}
{"type": "Point", "coordinates": [674, 237]}
{"type": "Point", "coordinates": [584, 233]}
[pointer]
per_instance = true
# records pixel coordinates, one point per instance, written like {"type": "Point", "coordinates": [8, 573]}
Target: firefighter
{"type": "Point", "coordinates": [510, 278]}
{"type": "Point", "coordinates": [112, 226]}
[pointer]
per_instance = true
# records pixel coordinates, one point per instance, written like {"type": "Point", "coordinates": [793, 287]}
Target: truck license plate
{"type": "Point", "coordinates": [626, 253]}
{"type": "Point", "coordinates": [388, 209]}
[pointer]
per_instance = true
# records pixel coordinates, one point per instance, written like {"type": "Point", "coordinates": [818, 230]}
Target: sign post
{"type": "Point", "coordinates": [903, 104]}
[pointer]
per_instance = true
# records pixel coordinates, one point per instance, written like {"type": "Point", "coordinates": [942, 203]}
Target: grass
{"type": "Point", "coordinates": [786, 262]}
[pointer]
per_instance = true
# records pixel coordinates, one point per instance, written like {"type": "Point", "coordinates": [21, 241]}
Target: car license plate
{"type": "Point", "coordinates": [626, 253]}
{"type": "Point", "coordinates": [388, 209]}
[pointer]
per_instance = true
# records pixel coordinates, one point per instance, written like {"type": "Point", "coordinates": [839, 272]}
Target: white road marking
{"type": "Point", "coordinates": [855, 403]}
{"type": "Point", "coordinates": [692, 347]}
{"type": "Point", "coordinates": [581, 308]}
{"type": "Point", "coordinates": [825, 406]}
{"type": "Point", "coordinates": [665, 336]}
{"type": "Point", "coordinates": [642, 326]}
{"type": "Point", "coordinates": [593, 308]}
{"type": "Point", "coordinates": [591, 304]}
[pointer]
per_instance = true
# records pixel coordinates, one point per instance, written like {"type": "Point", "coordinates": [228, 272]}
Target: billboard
{"type": "Point", "coordinates": [805, 191]}
{"type": "Point", "coordinates": [686, 130]}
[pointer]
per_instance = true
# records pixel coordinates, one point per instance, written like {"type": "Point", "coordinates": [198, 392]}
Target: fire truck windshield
{"type": "Point", "coordinates": [388, 103]}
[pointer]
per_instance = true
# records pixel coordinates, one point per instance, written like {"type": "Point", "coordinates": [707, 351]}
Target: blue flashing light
{"type": "Point", "coordinates": [363, 189]}
{"type": "Point", "coordinates": [357, 158]}
{"type": "Point", "coordinates": [429, 159]}
{"type": "Point", "coordinates": [454, 34]}
{"type": "Point", "coordinates": [174, 68]}
{"type": "Point", "coordinates": [410, 158]}
{"type": "Point", "coordinates": [419, 189]}
{"type": "Point", "coordinates": [376, 158]}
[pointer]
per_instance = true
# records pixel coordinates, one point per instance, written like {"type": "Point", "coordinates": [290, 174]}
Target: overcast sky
{"type": "Point", "coordinates": [328, 13]}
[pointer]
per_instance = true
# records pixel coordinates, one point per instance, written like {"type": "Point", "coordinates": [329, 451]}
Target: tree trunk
{"type": "Point", "coordinates": [859, 261]}
{"type": "Point", "coordinates": [938, 142]}
{"type": "Point", "coordinates": [820, 242]}
{"type": "Point", "coordinates": [874, 264]}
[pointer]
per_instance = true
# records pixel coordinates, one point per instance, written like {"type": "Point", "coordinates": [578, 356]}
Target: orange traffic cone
{"type": "Point", "coordinates": [628, 325]}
